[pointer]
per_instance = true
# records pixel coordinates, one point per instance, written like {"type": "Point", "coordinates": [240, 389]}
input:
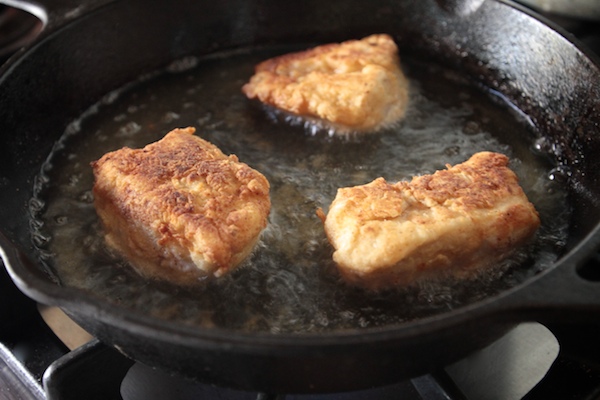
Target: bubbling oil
{"type": "Point", "coordinates": [289, 283]}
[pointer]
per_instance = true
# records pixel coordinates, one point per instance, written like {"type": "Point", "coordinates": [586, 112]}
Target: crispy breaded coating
{"type": "Point", "coordinates": [357, 85]}
{"type": "Point", "coordinates": [179, 209]}
{"type": "Point", "coordinates": [453, 222]}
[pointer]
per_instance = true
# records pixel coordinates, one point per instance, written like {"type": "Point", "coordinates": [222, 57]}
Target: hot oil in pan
{"type": "Point", "coordinates": [289, 284]}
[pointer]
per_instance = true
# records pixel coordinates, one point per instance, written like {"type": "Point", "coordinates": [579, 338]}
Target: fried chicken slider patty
{"type": "Point", "coordinates": [179, 209]}
{"type": "Point", "coordinates": [353, 86]}
{"type": "Point", "coordinates": [451, 223]}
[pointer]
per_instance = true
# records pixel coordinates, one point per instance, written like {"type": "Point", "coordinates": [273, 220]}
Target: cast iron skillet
{"type": "Point", "coordinates": [87, 51]}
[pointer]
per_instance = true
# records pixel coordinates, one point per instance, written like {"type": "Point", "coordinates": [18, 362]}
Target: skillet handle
{"type": "Point", "coordinates": [569, 293]}
{"type": "Point", "coordinates": [55, 13]}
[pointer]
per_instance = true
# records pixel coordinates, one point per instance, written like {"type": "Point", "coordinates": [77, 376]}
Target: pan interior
{"type": "Point", "coordinates": [289, 283]}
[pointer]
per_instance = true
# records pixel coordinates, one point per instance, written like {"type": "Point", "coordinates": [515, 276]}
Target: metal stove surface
{"type": "Point", "coordinates": [531, 362]}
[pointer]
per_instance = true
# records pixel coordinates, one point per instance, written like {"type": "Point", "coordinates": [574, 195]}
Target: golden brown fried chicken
{"type": "Point", "coordinates": [179, 209]}
{"type": "Point", "coordinates": [452, 223]}
{"type": "Point", "coordinates": [356, 85]}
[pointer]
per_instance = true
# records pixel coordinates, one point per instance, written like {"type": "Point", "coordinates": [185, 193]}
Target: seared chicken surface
{"type": "Point", "coordinates": [451, 223]}
{"type": "Point", "coordinates": [355, 86]}
{"type": "Point", "coordinates": [179, 209]}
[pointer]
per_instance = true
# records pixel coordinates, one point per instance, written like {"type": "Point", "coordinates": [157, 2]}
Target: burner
{"type": "Point", "coordinates": [522, 358]}
{"type": "Point", "coordinates": [17, 28]}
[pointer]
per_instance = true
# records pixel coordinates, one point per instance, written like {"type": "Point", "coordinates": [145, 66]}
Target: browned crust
{"type": "Point", "coordinates": [357, 85]}
{"type": "Point", "coordinates": [452, 222]}
{"type": "Point", "coordinates": [180, 209]}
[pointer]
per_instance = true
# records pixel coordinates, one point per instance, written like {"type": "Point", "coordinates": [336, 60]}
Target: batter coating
{"type": "Point", "coordinates": [179, 209]}
{"type": "Point", "coordinates": [355, 86]}
{"type": "Point", "coordinates": [452, 222]}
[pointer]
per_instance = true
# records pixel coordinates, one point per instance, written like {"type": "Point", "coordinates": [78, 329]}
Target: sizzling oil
{"type": "Point", "coordinates": [289, 283]}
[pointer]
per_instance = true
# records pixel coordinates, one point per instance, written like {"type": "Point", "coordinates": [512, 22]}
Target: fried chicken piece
{"type": "Point", "coordinates": [451, 223]}
{"type": "Point", "coordinates": [355, 86]}
{"type": "Point", "coordinates": [179, 209]}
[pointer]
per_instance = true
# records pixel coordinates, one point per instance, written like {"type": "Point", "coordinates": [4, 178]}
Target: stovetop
{"type": "Point", "coordinates": [531, 362]}
{"type": "Point", "coordinates": [36, 365]}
